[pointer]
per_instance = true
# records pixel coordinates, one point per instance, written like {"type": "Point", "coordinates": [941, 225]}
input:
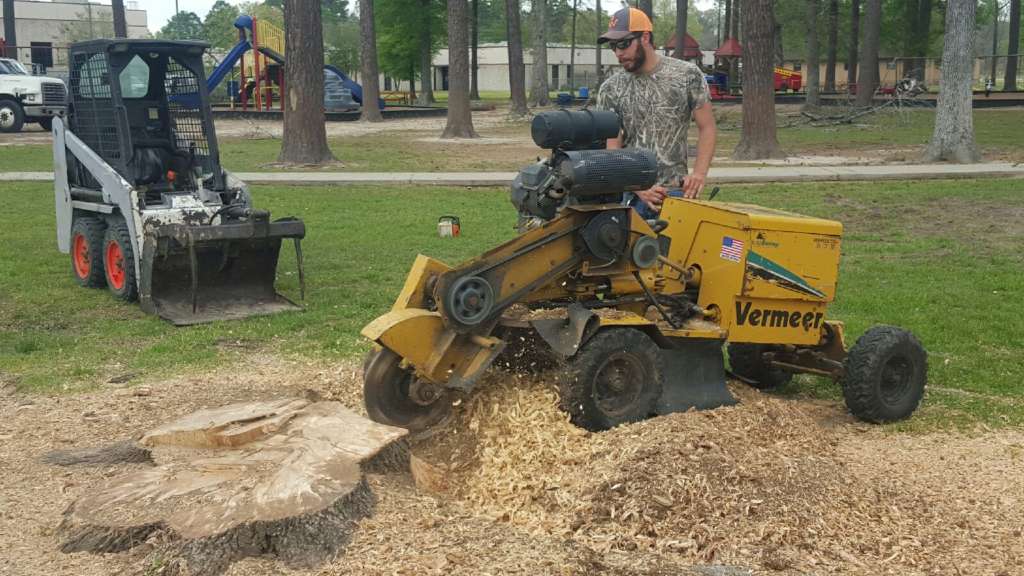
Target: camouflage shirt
{"type": "Point", "coordinates": [656, 110]}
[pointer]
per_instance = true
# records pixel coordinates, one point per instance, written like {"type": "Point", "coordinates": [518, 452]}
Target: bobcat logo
{"type": "Point", "coordinates": [613, 22]}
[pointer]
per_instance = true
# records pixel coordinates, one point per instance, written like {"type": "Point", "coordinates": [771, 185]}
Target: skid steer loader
{"type": "Point", "coordinates": [143, 205]}
{"type": "Point", "coordinates": [635, 311]}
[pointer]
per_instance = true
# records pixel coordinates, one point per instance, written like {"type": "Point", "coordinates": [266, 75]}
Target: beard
{"type": "Point", "coordinates": [637, 62]}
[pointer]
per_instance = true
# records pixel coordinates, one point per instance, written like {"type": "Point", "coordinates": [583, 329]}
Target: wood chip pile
{"type": "Point", "coordinates": [763, 484]}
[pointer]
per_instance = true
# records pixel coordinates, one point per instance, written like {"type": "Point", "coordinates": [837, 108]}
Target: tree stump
{"type": "Point", "coordinates": [280, 477]}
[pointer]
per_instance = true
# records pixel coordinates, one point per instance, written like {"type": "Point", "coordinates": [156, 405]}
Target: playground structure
{"type": "Point", "coordinates": [721, 79]}
{"type": "Point", "coordinates": [261, 73]}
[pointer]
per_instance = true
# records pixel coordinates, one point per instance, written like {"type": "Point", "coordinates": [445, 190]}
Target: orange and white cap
{"type": "Point", "coordinates": [625, 22]}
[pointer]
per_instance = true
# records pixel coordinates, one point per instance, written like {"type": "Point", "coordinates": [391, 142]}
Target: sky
{"type": "Point", "coordinates": [160, 11]}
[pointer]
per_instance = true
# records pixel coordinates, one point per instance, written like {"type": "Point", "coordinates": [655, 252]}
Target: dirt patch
{"type": "Point", "coordinates": [771, 485]}
{"type": "Point", "coordinates": [986, 226]}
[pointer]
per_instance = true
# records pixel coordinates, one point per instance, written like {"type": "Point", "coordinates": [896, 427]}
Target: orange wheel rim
{"type": "Point", "coordinates": [114, 260]}
{"type": "Point", "coordinates": [80, 256]}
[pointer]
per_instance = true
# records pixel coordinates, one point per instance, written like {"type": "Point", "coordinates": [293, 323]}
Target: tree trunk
{"type": "Point", "coordinates": [120, 24]}
{"type": "Point", "coordinates": [995, 41]}
{"type": "Point", "coordinates": [918, 17]}
{"type": "Point", "coordinates": [539, 86]}
{"type": "Point", "coordinates": [851, 52]}
{"type": "Point", "coordinates": [1010, 80]}
{"type": "Point", "coordinates": [779, 55]}
{"type": "Point", "coordinates": [682, 7]}
{"type": "Point", "coordinates": [597, 49]}
{"type": "Point", "coordinates": [728, 20]}
{"type": "Point", "coordinates": [474, 90]}
{"type": "Point", "coordinates": [368, 60]}
{"type": "Point", "coordinates": [238, 482]}
{"type": "Point", "coordinates": [758, 139]}
{"type": "Point", "coordinates": [734, 32]}
{"type": "Point", "coordinates": [10, 34]}
{"type": "Point", "coordinates": [953, 138]}
{"type": "Point", "coordinates": [305, 137]}
{"type": "Point", "coordinates": [426, 96]}
{"type": "Point", "coordinates": [572, 51]}
{"type": "Point", "coordinates": [867, 80]}
{"type": "Point", "coordinates": [460, 117]}
{"type": "Point", "coordinates": [813, 69]}
{"type": "Point", "coordinates": [412, 81]}
{"type": "Point", "coordinates": [647, 7]}
{"type": "Point", "coordinates": [516, 67]}
{"type": "Point", "coordinates": [833, 45]}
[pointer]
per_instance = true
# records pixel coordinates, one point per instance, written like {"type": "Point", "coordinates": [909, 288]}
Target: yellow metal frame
{"type": "Point", "coordinates": [763, 276]}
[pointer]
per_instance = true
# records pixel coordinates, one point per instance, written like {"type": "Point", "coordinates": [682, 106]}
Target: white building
{"type": "Point", "coordinates": [44, 29]}
{"type": "Point", "coordinates": [492, 63]}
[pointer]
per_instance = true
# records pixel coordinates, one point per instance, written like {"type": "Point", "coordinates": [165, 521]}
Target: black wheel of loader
{"type": "Point", "coordinates": [885, 375]}
{"type": "Point", "coordinates": [393, 395]}
{"type": "Point", "coordinates": [87, 251]}
{"type": "Point", "coordinates": [747, 362]}
{"type": "Point", "coordinates": [46, 123]}
{"type": "Point", "coordinates": [119, 263]}
{"type": "Point", "coordinates": [616, 378]}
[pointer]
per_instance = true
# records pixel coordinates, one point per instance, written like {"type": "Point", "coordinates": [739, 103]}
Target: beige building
{"type": "Point", "coordinates": [492, 62]}
{"type": "Point", "coordinates": [44, 29]}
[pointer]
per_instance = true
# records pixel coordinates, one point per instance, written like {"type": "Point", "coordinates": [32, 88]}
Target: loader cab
{"type": "Point", "coordinates": [143, 106]}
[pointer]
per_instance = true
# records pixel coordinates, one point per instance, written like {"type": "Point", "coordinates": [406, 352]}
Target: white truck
{"type": "Point", "coordinates": [27, 98]}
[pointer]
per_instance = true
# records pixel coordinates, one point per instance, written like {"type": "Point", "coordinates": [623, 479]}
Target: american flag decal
{"type": "Point", "coordinates": [732, 249]}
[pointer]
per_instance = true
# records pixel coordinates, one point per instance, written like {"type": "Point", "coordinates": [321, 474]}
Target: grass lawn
{"type": "Point", "coordinates": [941, 258]}
{"type": "Point", "coordinates": [904, 134]}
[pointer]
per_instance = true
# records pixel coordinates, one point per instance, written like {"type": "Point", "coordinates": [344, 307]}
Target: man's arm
{"type": "Point", "coordinates": [706, 134]}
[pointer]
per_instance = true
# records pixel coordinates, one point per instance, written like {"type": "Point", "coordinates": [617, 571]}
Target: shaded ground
{"type": "Point", "coordinates": [790, 486]}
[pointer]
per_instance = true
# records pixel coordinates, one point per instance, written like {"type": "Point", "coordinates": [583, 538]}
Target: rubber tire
{"type": "Point", "coordinates": [91, 230]}
{"type": "Point", "coordinates": [745, 360]}
{"type": "Point", "coordinates": [46, 123]}
{"type": "Point", "coordinates": [129, 290]}
{"type": "Point", "coordinates": [578, 381]}
{"type": "Point", "coordinates": [19, 115]}
{"type": "Point", "coordinates": [384, 400]}
{"type": "Point", "coordinates": [865, 371]}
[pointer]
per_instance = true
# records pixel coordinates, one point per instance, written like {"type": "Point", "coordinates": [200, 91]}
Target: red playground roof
{"type": "Point", "coordinates": [729, 48]}
{"type": "Point", "coordinates": [691, 49]}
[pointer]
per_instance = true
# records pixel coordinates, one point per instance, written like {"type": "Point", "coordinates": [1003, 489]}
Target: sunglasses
{"type": "Point", "coordinates": [622, 44]}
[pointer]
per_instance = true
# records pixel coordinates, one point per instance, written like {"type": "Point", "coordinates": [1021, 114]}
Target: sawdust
{"type": "Point", "coordinates": [773, 485]}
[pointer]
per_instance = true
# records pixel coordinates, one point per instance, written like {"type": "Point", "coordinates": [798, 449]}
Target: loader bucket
{"type": "Point", "coordinates": [196, 274]}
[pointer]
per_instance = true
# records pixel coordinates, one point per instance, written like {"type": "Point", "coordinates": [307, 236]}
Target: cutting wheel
{"type": "Point", "coordinates": [393, 395]}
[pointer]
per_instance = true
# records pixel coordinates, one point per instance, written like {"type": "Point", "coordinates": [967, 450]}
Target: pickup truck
{"type": "Point", "coordinates": [27, 98]}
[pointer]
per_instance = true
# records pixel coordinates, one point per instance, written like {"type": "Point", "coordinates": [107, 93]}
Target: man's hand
{"type": "Point", "coordinates": [693, 185]}
{"type": "Point", "coordinates": [653, 196]}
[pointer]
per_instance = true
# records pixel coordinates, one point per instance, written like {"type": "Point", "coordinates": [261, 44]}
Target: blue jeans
{"type": "Point", "coordinates": [644, 210]}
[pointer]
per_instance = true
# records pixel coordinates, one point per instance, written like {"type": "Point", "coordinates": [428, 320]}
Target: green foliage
{"type": "Point", "coordinates": [341, 45]}
{"type": "Point", "coordinates": [219, 25]}
{"type": "Point", "coordinates": [398, 25]}
{"type": "Point", "coordinates": [332, 12]}
{"type": "Point", "coordinates": [264, 11]}
{"type": "Point", "coordinates": [665, 22]}
{"type": "Point", "coordinates": [491, 16]}
{"type": "Point", "coordinates": [182, 26]}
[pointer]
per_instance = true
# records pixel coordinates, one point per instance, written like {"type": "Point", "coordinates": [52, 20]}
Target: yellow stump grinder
{"type": "Point", "coordinates": [636, 312]}
{"type": "Point", "coordinates": [143, 205]}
